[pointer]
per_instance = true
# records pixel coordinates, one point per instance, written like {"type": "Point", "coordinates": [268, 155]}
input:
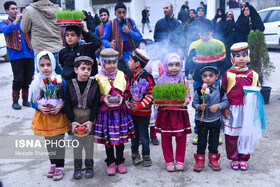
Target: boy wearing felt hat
{"type": "Point", "coordinates": [81, 106]}
{"type": "Point", "coordinates": [209, 101]}
{"type": "Point", "coordinates": [141, 110]}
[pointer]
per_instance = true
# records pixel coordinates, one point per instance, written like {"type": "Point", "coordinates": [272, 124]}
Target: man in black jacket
{"type": "Point", "coordinates": [145, 19]}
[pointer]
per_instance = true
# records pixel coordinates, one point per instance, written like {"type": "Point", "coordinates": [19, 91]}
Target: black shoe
{"type": "Point", "coordinates": [146, 161]}
{"type": "Point", "coordinates": [77, 169]}
{"type": "Point", "coordinates": [155, 141]}
{"type": "Point", "coordinates": [26, 103]}
{"type": "Point", "coordinates": [89, 168]}
{"type": "Point", "coordinates": [16, 106]}
{"type": "Point", "coordinates": [136, 159]}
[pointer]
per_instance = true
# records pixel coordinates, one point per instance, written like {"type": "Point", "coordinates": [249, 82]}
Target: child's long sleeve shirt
{"type": "Point", "coordinates": [144, 105]}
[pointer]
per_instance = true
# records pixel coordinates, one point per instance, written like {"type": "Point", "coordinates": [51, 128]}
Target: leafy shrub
{"type": "Point", "coordinates": [259, 58]}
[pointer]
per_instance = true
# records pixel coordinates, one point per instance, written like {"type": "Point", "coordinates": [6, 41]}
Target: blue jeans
{"type": "Point", "coordinates": [58, 69]}
{"type": "Point", "coordinates": [141, 127]}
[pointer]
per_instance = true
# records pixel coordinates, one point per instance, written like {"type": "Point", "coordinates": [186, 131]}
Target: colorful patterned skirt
{"type": "Point", "coordinates": [50, 124]}
{"type": "Point", "coordinates": [153, 116]}
{"type": "Point", "coordinates": [173, 122]}
{"type": "Point", "coordinates": [114, 127]}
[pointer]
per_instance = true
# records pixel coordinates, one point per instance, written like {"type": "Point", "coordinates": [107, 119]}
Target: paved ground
{"type": "Point", "coordinates": [263, 167]}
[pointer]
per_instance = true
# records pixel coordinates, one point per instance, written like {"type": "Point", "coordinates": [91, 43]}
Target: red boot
{"type": "Point", "coordinates": [213, 161]}
{"type": "Point", "coordinates": [199, 165]}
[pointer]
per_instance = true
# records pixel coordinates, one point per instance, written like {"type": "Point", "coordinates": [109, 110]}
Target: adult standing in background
{"type": "Point", "coordinates": [99, 30]}
{"type": "Point", "coordinates": [145, 19]}
{"type": "Point", "coordinates": [20, 54]}
{"type": "Point", "coordinates": [183, 15]}
{"type": "Point", "coordinates": [227, 29]}
{"type": "Point", "coordinates": [96, 20]}
{"type": "Point", "coordinates": [205, 7]}
{"type": "Point", "coordinates": [186, 31]}
{"type": "Point", "coordinates": [90, 22]}
{"type": "Point", "coordinates": [248, 21]}
{"type": "Point", "coordinates": [217, 23]}
{"type": "Point", "coordinates": [194, 28]}
{"type": "Point", "coordinates": [187, 5]}
{"type": "Point", "coordinates": [39, 18]}
{"type": "Point", "coordinates": [120, 35]}
{"type": "Point", "coordinates": [169, 30]}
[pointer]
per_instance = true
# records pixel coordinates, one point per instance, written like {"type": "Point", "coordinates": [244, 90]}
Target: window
{"type": "Point", "coordinates": [274, 16]}
{"type": "Point", "coordinates": [263, 15]}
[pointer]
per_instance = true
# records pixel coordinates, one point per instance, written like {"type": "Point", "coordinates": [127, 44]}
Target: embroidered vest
{"type": "Point", "coordinates": [117, 36]}
{"type": "Point", "coordinates": [13, 39]}
{"type": "Point", "coordinates": [85, 100]}
{"type": "Point", "coordinates": [105, 86]}
{"type": "Point", "coordinates": [231, 77]}
{"type": "Point", "coordinates": [100, 29]}
{"type": "Point", "coordinates": [63, 34]}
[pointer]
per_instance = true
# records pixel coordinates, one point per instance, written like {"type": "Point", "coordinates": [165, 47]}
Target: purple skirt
{"type": "Point", "coordinates": [114, 127]}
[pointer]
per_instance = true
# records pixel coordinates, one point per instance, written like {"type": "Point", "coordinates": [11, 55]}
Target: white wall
{"type": "Point", "coordinates": [136, 10]}
{"type": "Point", "coordinates": [83, 5]}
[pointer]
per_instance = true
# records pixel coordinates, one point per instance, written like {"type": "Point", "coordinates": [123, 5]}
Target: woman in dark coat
{"type": "Point", "coordinates": [248, 21]}
{"type": "Point", "coordinates": [90, 23]}
{"type": "Point", "coordinates": [217, 23]}
{"type": "Point", "coordinates": [228, 31]}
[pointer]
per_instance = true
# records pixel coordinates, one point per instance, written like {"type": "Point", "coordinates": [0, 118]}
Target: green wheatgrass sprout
{"type": "Point", "coordinates": [209, 49]}
{"type": "Point", "coordinates": [170, 92]}
{"type": "Point", "coordinates": [68, 14]}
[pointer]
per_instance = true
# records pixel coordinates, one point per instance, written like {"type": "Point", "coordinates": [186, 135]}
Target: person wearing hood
{"type": "Point", "coordinates": [248, 21]}
{"type": "Point", "coordinates": [39, 18]}
{"type": "Point", "coordinates": [183, 15]}
{"type": "Point", "coordinates": [194, 27]}
{"type": "Point", "coordinates": [90, 21]}
{"type": "Point", "coordinates": [96, 20]}
{"type": "Point", "coordinates": [169, 29]}
{"type": "Point", "coordinates": [192, 15]}
{"type": "Point", "coordinates": [217, 23]}
{"type": "Point", "coordinates": [228, 31]}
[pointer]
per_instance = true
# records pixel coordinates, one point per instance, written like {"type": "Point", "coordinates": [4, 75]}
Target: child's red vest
{"type": "Point", "coordinates": [13, 39]}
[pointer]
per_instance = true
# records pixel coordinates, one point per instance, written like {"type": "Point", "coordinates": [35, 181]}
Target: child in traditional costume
{"type": "Point", "coordinates": [245, 118]}
{"type": "Point", "coordinates": [81, 105]}
{"type": "Point", "coordinates": [174, 121]}
{"type": "Point", "coordinates": [47, 97]}
{"type": "Point", "coordinates": [114, 124]}
{"type": "Point", "coordinates": [140, 105]}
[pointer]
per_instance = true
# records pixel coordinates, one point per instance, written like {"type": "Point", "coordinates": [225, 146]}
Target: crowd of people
{"type": "Point", "coordinates": [116, 104]}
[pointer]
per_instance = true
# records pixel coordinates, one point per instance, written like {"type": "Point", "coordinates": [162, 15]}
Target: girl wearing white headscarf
{"type": "Point", "coordinates": [48, 121]}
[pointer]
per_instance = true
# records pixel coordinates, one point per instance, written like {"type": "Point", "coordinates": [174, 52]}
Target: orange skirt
{"type": "Point", "coordinates": [50, 124]}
